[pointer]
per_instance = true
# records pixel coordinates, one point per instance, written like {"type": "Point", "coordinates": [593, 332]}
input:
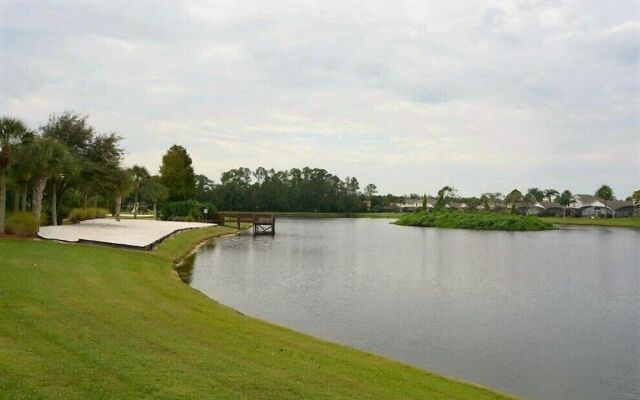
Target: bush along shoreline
{"type": "Point", "coordinates": [82, 214]}
{"type": "Point", "coordinates": [468, 220]}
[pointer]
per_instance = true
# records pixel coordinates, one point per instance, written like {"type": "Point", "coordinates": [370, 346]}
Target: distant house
{"type": "Point", "coordinates": [553, 209]}
{"type": "Point", "coordinates": [591, 206]}
{"type": "Point", "coordinates": [498, 206]}
{"type": "Point", "coordinates": [410, 204]}
{"type": "Point", "coordinates": [458, 206]}
{"type": "Point", "coordinates": [413, 204]}
{"type": "Point", "coordinates": [621, 208]}
{"type": "Point", "coordinates": [534, 208]}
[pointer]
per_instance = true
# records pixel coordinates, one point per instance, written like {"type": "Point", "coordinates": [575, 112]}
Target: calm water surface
{"type": "Point", "coordinates": [542, 315]}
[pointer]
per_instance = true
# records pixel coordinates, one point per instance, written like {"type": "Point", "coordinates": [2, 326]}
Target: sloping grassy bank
{"type": "Point", "coordinates": [81, 321]}
{"type": "Point", "coordinates": [474, 220]}
{"type": "Point", "coordinates": [620, 222]}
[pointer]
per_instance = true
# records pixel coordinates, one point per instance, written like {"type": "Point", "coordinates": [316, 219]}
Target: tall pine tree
{"type": "Point", "coordinates": [176, 174]}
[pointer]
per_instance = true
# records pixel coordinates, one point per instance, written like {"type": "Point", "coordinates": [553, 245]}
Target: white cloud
{"type": "Point", "coordinates": [407, 94]}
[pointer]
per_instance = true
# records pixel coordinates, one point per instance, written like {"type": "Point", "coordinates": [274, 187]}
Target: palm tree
{"type": "Point", "coordinates": [565, 199]}
{"type": "Point", "coordinates": [123, 184]}
{"type": "Point", "coordinates": [11, 132]}
{"type": "Point", "coordinates": [21, 172]}
{"type": "Point", "coordinates": [50, 158]}
{"type": "Point", "coordinates": [549, 193]}
{"type": "Point", "coordinates": [156, 192]}
{"type": "Point", "coordinates": [138, 176]}
{"type": "Point", "coordinates": [534, 194]}
{"type": "Point", "coordinates": [605, 193]}
{"type": "Point", "coordinates": [513, 198]}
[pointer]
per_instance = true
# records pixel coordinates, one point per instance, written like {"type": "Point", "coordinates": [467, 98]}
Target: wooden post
{"type": "Point", "coordinates": [273, 225]}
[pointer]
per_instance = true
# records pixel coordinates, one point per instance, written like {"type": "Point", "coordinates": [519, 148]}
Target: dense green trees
{"type": "Point", "coordinates": [64, 162]}
{"type": "Point", "coordinates": [49, 158]}
{"type": "Point", "coordinates": [306, 189]}
{"type": "Point", "coordinates": [12, 132]}
{"type": "Point", "coordinates": [534, 194]}
{"type": "Point", "coordinates": [176, 174]}
{"type": "Point", "coordinates": [98, 158]}
{"type": "Point", "coordinates": [155, 192]}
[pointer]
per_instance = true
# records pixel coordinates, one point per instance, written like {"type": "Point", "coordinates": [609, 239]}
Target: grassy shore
{"type": "Point", "coordinates": [621, 222]}
{"type": "Point", "coordinates": [81, 321]}
{"type": "Point", "coordinates": [480, 220]}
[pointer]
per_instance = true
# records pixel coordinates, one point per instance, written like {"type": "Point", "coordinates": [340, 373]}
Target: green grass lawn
{"type": "Point", "coordinates": [81, 321]}
{"type": "Point", "coordinates": [622, 222]}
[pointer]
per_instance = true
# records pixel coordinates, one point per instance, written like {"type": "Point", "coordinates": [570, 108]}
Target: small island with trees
{"type": "Point", "coordinates": [478, 220]}
{"type": "Point", "coordinates": [441, 217]}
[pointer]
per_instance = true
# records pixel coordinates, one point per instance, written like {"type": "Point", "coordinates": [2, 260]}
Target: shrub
{"type": "Point", "coordinates": [480, 220]}
{"type": "Point", "coordinates": [83, 214]}
{"type": "Point", "coordinates": [189, 210]}
{"type": "Point", "coordinates": [44, 219]}
{"type": "Point", "coordinates": [22, 224]}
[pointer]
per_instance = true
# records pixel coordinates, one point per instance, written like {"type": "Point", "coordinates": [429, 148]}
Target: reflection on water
{"type": "Point", "coordinates": [185, 268]}
{"type": "Point", "coordinates": [543, 315]}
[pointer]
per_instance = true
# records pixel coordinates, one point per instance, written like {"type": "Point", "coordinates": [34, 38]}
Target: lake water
{"type": "Point", "coordinates": [541, 315]}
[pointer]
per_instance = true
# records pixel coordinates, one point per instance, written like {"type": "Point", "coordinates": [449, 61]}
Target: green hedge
{"type": "Point", "coordinates": [188, 211]}
{"type": "Point", "coordinates": [83, 214]}
{"type": "Point", "coordinates": [22, 224]}
{"type": "Point", "coordinates": [482, 220]}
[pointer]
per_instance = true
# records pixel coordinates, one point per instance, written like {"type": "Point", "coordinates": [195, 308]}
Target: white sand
{"type": "Point", "coordinates": [128, 232]}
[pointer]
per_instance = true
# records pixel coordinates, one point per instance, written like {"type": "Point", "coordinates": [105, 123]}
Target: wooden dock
{"type": "Point", "coordinates": [263, 224]}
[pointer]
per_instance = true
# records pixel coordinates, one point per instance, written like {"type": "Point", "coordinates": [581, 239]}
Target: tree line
{"type": "Point", "coordinates": [298, 189]}
{"type": "Point", "coordinates": [66, 164]}
{"type": "Point", "coordinates": [62, 164]}
{"type": "Point", "coordinates": [565, 198]}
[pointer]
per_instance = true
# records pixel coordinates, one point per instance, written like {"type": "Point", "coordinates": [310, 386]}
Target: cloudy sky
{"type": "Point", "coordinates": [410, 95]}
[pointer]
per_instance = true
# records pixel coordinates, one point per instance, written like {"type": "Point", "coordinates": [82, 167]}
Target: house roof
{"type": "Point", "coordinates": [618, 204]}
{"type": "Point", "coordinates": [534, 204]}
{"type": "Point", "coordinates": [550, 204]}
{"type": "Point", "coordinates": [588, 198]}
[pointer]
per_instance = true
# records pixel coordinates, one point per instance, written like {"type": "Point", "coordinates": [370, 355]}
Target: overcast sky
{"type": "Point", "coordinates": [409, 95]}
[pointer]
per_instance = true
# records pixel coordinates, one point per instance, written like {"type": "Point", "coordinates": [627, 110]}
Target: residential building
{"type": "Point", "coordinates": [591, 206]}
{"type": "Point", "coordinates": [553, 209]}
{"type": "Point", "coordinates": [534, 208]}
{"type": "Point", "coordinates": [621, 208]}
